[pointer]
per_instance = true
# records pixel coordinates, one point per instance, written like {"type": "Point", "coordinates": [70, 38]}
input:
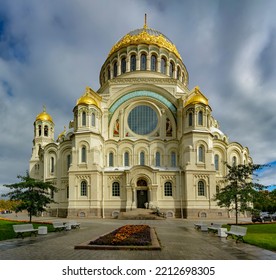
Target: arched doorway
{"type": "Point", "coordinates": [142, 193]}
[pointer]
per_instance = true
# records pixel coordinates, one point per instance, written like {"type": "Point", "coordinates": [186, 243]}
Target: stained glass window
{"type": "Point", "coordinates": [142, 120]}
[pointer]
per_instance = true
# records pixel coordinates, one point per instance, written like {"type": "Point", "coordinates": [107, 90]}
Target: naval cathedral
{"type": "Point", "coordinates": [143, 139]}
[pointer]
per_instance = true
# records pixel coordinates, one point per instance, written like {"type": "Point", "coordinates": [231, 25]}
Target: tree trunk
{"type": "Point", "coordinates": [236, 208]}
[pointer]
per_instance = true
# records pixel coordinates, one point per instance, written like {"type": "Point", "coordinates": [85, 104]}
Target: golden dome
{"type": "Point", "coordinates": [89, 98]}
{"type": "Point", "coordinates": [197, 98]}
{"type": "Point", "coordinates": [44, 116]}
{"type": "Point", "coordinates": [147, 36]}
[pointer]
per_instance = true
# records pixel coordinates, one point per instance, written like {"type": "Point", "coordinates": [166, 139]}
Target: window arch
{"type": "Point", "coordinates": [133, 62]}
{"type": "Point", "coordinates": [126, 158]}
{"type": "Point", "coordinates": [173, 159]}
{"type": "Point", "coordinates": [200, 188]}
{"type": "Point", "coordinates": [142, 158]}
{"type": "Point", "coordinates": [200, 118]}
{"type": "Point", "coordinates": [201, 153]}
{"type": "Point", "coordinates": [143, 62]}
{"type": "Point", "coordinates": [216, 162]}
{"type": "Point", "coordinates": [83, 154]}
{"type": "Point", "coordinates": [168, 189]}
{"type": "Point", "coordinates": [83, 121]}
{"type": "Point", "coordinates": [153, 63]}
{"type": "Point", "coordinates": [115, 189]}
{"type": "Point", "coordinates": [190, 119]}
{"type": "Point", "coordinates": [115, 69]}
{"type": "Point", "coordinates": [163, 65]}
{"type": "Point", "coordinates": [83, 189]}
{"type": "Point", "coordinates": [111, 159]}
{"type": "Point", "coordinates": [123, 65]}
{"type": "Point", "coordinates": [157, 159]}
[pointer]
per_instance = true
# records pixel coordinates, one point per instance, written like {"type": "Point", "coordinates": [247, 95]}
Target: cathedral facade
{"type": "Point", "coordinates": [144, 139]}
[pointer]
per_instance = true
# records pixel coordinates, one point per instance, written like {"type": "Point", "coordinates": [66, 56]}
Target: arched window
{"type": "Point", "coordinates": [46, 129]}
{"type": "Point", "coordinates": [200, 118]}
{"type": "Point", "coordinates": [178, 73]}
{"type": "Point", "coordinates": [93, 119]}
{"type": "Point", "coordinates": [217, 162]}
{"type": "Point", "coordinates": [200, 188]}
{"type": "Point", "coordinates": [234, 161]}
{"type": "Point", "coordinates": [133, 63]}
{"type": "Point", "coordinates": [201, 157]}
{"type": "Point", "coordinates": [83, 189]}
{"type": "Point", "coordinates": [39, 130]}
{"type": "Point", "coordinates": [163, 65]}
{"type": "Point", "coordinates": [111, 159]}
{"type": "Point", "coordinates": [173, 159]}
{"type": "Point", "coordinates": [115, 189]}
{"type": "Point", "coordinates": [171, 69]}
{"type": "Point", "coordinates": [52, 167]}
{"type": "Point", "coordinates": [108, 73]}
{"type": "Point", "coordinates": [83, 154]}
{"type": "Point", "coordinates": [83, 119]}
{"type": "Point", "coordinates": [190, 119]}
{"type": "Point", "coordinates": [115, 69]}
{"type": "Point", "coordinates": [142, 158]}
{"type": "Point", "coordinates": [68, 161]}
{"type": "Point", "coordinates": [143, 62]}
{"type": "Point", "coordinates": [168, 189]}
{"type": "Point", "coordinates": [157, 159]}
{"type": "Point", "coordinates": [123, 65]}
{"type": "Point", "coordinates": [153, 63]}
{"type": "Point", "coordinates": [126, 158]}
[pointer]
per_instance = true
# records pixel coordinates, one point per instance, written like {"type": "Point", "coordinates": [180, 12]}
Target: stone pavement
{"type": "Point", "coordinates": [178, 238]}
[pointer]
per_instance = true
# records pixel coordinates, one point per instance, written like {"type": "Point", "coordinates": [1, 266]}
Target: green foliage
{"type": "Point", "coordinates": [266, 201]}
{"type": "Point", "coordinates": [240, 190]}
{"type": "Point", "coordinates": [31, 194]}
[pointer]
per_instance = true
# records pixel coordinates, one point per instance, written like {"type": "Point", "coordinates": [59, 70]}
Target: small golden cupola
{"type": "Point", "coordinates": [196, 97]}
{"type": "Point", "coordinates": [44, 116]}
{"type": "Point", "coordinates": [89, 98]}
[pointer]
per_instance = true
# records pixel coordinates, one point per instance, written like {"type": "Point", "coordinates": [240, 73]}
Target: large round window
{"type": "Point", "coordinates": [142, 120]}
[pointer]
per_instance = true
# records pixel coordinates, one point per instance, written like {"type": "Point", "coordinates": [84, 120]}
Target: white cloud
{"type": "Point", "coordinates": [52, 50]}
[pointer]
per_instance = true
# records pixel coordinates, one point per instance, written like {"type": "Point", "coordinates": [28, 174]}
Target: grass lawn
{"type": "Point", "coordinates": [6, 230]}
{"type": "Point", "coordinates": [261, 235]}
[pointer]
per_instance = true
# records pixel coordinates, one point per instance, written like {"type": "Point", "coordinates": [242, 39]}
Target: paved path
{"type": "Point", "coordinates": [178, 238]}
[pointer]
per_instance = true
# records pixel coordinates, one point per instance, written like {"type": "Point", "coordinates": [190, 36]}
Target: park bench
{"type": "Point", "coordinates": [22, 228]}
{"type": "Point", "coordinates": [237, 231]}
{"type": "Point", "coordinates": [159, 213]}
{"type": "Point", "coordinates": [58, 226]}
{"type": "Point", "coordinates": [201, 226]}
{"type": "Point", "coordinates": [73, 224]}
{"type": "Point", "coordinates": [214, 227]}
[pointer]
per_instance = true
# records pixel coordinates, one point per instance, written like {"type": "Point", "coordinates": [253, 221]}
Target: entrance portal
{"type": "Point", "coordinates": [142, 198]}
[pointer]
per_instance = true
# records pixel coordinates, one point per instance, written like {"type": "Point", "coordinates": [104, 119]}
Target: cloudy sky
{"type": "Point", "coordinates": [51, 50]}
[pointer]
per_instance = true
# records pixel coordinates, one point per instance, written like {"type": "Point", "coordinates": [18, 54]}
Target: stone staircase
{"type": "Point", "coordinates": [139, 214]}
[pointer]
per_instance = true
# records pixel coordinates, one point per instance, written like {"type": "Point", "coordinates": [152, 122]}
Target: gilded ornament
{"type": "Point", "coordinates": [144, 37]}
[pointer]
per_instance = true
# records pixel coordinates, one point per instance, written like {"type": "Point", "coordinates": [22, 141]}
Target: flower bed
{"type": "Point", "coordinates": [134, 235]}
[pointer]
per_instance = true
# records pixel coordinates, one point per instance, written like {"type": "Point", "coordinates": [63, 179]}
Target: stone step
{"type": "Point", "coordinates": [139, 214]}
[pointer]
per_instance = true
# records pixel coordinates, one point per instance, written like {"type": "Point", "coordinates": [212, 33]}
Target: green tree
{"type": "Point", "coordinates": [31, 194]}
{"type": "Point", "coordinates": [241, 190]}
